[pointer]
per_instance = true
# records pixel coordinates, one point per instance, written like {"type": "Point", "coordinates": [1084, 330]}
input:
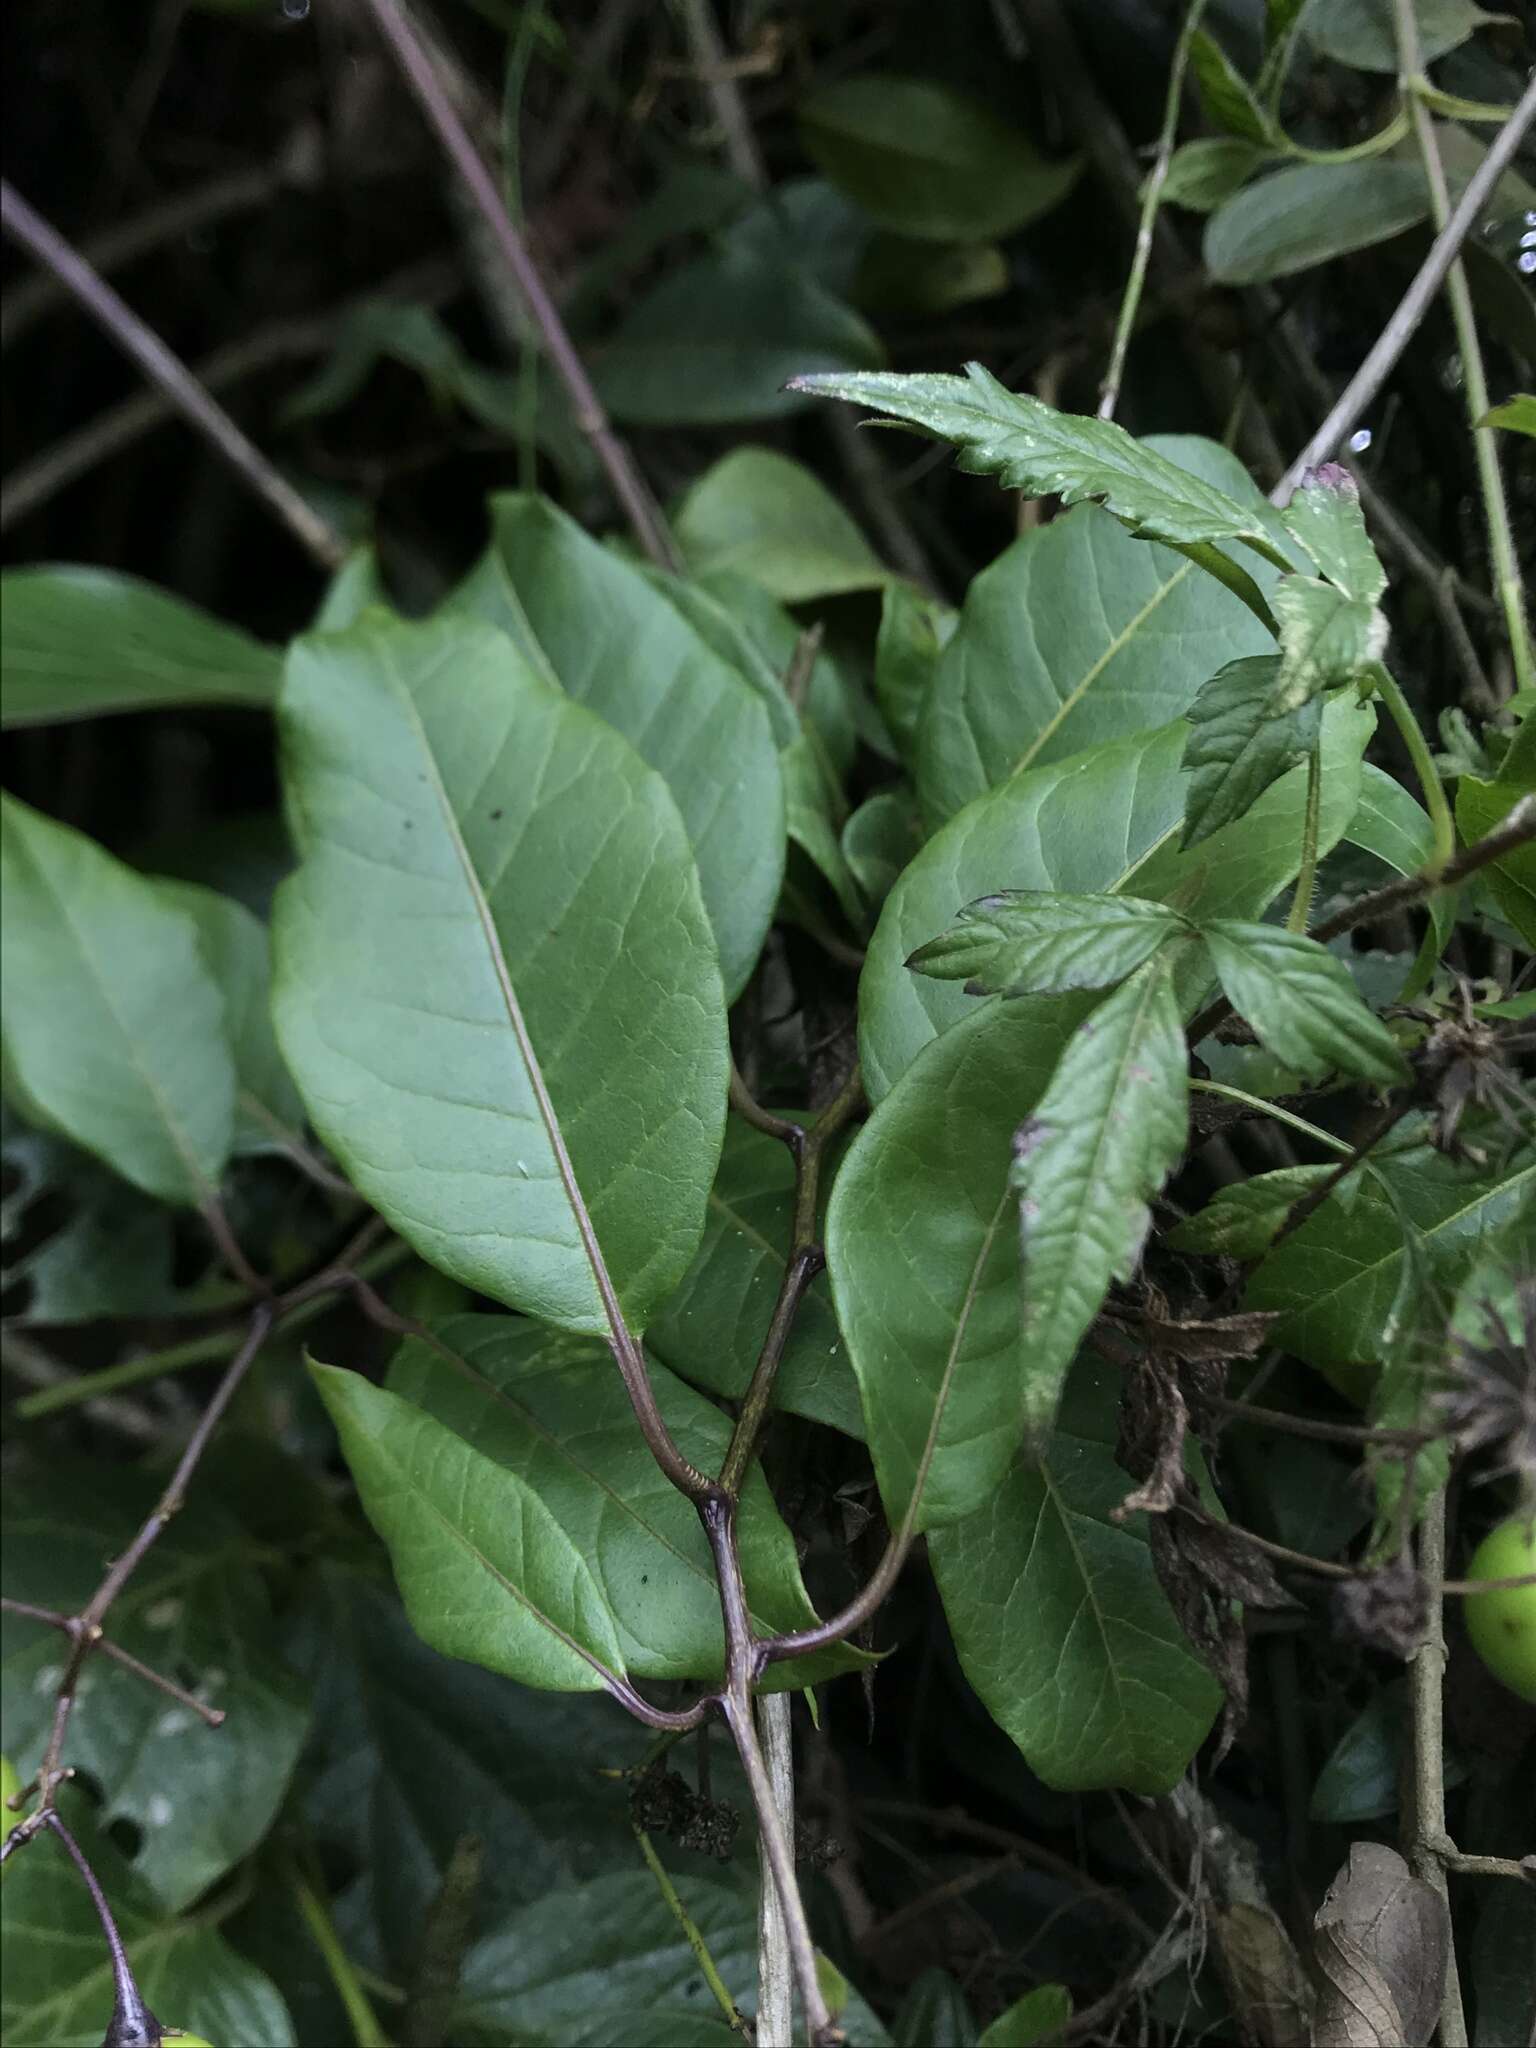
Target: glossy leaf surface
{"type": "Point", "coordinates": [1302, 1002]}
{"type": "Point", "coordinates": [1239, 744]}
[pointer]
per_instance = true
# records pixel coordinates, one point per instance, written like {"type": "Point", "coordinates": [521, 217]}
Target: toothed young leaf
{"type": "Point", "coordinates": [1098, 1145]}
{"type": "Point", "coordinates": [1031, 941]}
{"type": "Point", "coordinates": [1238, 744]}
{"type": "Point", "coordinates": [1302, 1003]}
{"type": "Point", "coordinates": [1029, 446]}
{"type": "Point", "coordinates": [1325, 638]}
{"type": "Point", "coordinates": [1325, 519]}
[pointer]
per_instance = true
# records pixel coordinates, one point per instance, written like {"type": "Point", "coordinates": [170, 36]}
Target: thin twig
{"type": "Point", "coordinates": [132, 2019]}
{"type": "Point", "coordinates": [1516, 829]}
{"type": "Point", "coordinates": [167, 371]}
{"type": "Point", "coordinates": [719, 82]}
{"type": "Point", "coordinates": [629, 486]}
{"type": "Point", "coordinates": [1399, 330]}
{"type": "Point", "coordinates": [1315, 1426]}
{"type": "Point", "coordinates": [695, 1940]}
{"type": "Point", "coordinates": [1152, 194]}
{"type": "Point", "coordinates": [1424, 1816]}
{"type": "Point", "coordinates": [1485, 440]}
{"type": "Point", "coordinates": [70, 1625]}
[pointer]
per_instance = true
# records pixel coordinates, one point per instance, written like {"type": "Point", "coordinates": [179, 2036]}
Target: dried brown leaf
{"type": "Point", "coordinates": [1381, 1945]}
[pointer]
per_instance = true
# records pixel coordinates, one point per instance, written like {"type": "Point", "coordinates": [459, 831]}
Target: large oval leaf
{"type": "Point", "coordinates": [82, 641]}
{"type": "Point", "coordinates": [485, 1570]}
{"type": "Point", "coordinates": [924, 160]}
{"type": "Point", "coordinates": [923, 1249]}
{"type": "Point", "coordinates": [614, 642]}
{"type": "Point", "coordinates": [1307, 214]}
{"type": "Point", "coordinates": [1059, 1619]}
{"type": "Point", "coordinates": [495, 984]}
{"type": "Point", "coordinates": [771, 519]}
{"type": "Point", "coordinates": [550, 1411]}
{"type": "Point", "coordinates": [1107, 820]}
{"type": "Point", "coordinates": [114, 1025]}
{"type": "Point", "coordinates": [1080, 633]}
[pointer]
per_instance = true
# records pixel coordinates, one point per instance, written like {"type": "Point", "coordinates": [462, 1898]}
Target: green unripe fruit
{"type": "Point", "coordinates": [1502, 1624]}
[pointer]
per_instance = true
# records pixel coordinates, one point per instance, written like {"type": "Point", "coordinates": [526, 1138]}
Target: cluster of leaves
{"type": "Point", "coordinates": [552, 837]}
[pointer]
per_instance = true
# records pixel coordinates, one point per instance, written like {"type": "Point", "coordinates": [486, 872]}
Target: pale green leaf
{"type": "Point", "coordinates": [484, 1568]}
{"type": "Point", "coordinates": [1326, 638]}
{"type": "Point", "coordinates": [1037, 2017]}
{"type": "Point", "coordinates": [1307, 214]}
{"type": "Point", "coordinates": [616, 644]}
{"type": "Point", "coordinates": [201, 1797]}
{"type": "Point", "coordinates": [1239, 1221]}
{"type": "Point", "coordinates": [268, 1112]}
{"type": "Point", "coordinates": [1029, 446]}
{"type": "Point", "coordinates": [356, 585]}
{"type": "Point", "coordinates": [1483, 806]}
{"type": "Point", "coordinates": [772, 520]}
{"type": "Point", "coordinates": [550, 1411]}
{"type": "Point", "coordinates": [922, 159]}
{"type": "Point", "coordinates": [1078, 633]}
{"type": "Point", "coordinates": [1302, 1002]}
{"type": "Point", "coordinates": [1031, 942]}
{"type": "Point", "coordinates": [879, 840]}
{"type": "Point", "coordinates": [720, 339]}
{"type": "Point", "coordinates": [1238, 744]}
{"type": "Point", "coordinates": [56, 1975]}
{"type": "Point", "coordinates": [1106, 821]}
{"type": "Point", "coordinates": [1325, 517]}
{"type": "Point", "coordinates": [1516, 415]}
{"type": "Point", "coordinates": [1201, 175]}
{"type": "Point", "coordinates": [1361, 33]}
{"type": "Point", "coordinates": [721, 629]}
{"type": "Point", "coordinates": [1097, 1146]}
{"type": "Point", "coordinates": [914, 630]}
{"type": "Point", "coordinates": [495, 889]}
{"type": "Point", "coordinates": [923, 1250]}
{"type": "Point", "coordinates": [712, 1328]}
{"type": "Point", "coordinates": [1224, 92]}
{"type": "Point", "coordinates": [1334, 1281]}
{"type": "Point", "coordinates": [114, 1024]}
{"type": "Point", "coordinates": [1059, 1620]}
{"type": "Point", "coordinates": [1396, 828]}
{"type": "Point", "coordinates": [79, 642]}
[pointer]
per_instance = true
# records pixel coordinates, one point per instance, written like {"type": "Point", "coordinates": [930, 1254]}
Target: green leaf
{"type": "Point", "coordinates": [1326, 638]}
{"type": "Point", "coordinates": [719, 340]}
{"type": "Point", "coordinates": [268, 1112]}
{"type": "Point", "coordinates": [914, 630]}
{"type": "Point", "coordinates": [597, 625]}
{"type": "Point", "coordinates": [1239, 1221]}
{"type": "Point", "coordinates": [712, 1328]}
{"type": "Point", "coordinates": [1516, 415]}
{"type": "Point", "coordinates": [56, 1975]}
{"type": "Point", "coordinates": [1029, 446]}
{"type": "Point", "coordinates": [1360, 33]}
{"type": "Point", "coordinates": [1225, 94]}
{"type": "Point", "coordinates": [605, 1965]}
{"type": "Point", "coordinates": [934, 2009]}
{"type": "Point", "coordinates": [760, 514]}
{"type": "Point", "coordinates": [1106, 821]}
{"type": "Point", "coordinates": [412, 1751]}
{"type": "Point", "coordinates": [1325, 517]}
{"type": "Point", "coordinates": [497, 898]}
{"type": "Point", "coordinates": [202, 1798]}
{"type": "Point", "coordinates": [1079, 633]}
{"type": "Point", "coordinates": [357, 584]}
{"type": "Point", "coordinates": [114, 1025]}
{"type": "Point", "coordinates": [880, 839]}
{"type": "Point", "coordinates": [1334, 1281]}
{"type": "Point", "coordinates": [486, 1571]}
{"type": "Point", "coordinates": [901, 276]}
{"type": "Point", "coordinates": [1201, 175]}
{"type": "Point", "coordinates": [1239, 744]}
{"type": "Point", "coordinates": [923, 1250]}
{"type": "Point", "coordinates": [924, 160]}
{"type": "Point", "coordinates": [79, 642]}
{"type": "Point", "coordinates": [412, 335]}
{"type": "Point", "coordinates": [1031, 942]}
{"type": "Point", "coordinates": [1308, 214]}
{"type": "Point", "coordinates": [550, 1413]}
{"type": "Point", "coordinates": [816, 810]}
{"type": "Point", "coordinates": [721, 629]}
{"type": "Point", "coordinates": [92, 1246]}
{"type": "Point", "coordinates": [1395, 827]}
{"type": "Point", "coordinates": [1059, 1620]}
{"type": "Point", "coordinates": [1097, 1146]}
{"type": "Point", "coordinates": [1302, 1002]}
{"type": "Point", "coordinates": [1038, 2016]}
{"type": "Point", "coordinates": [1483, 806]}
{"type": "Point", "coordinates": [1359, 1779]}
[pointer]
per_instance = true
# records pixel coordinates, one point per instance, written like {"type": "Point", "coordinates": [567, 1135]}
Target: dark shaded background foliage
{"type": "Point", "coordinates": [924, 1820]}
